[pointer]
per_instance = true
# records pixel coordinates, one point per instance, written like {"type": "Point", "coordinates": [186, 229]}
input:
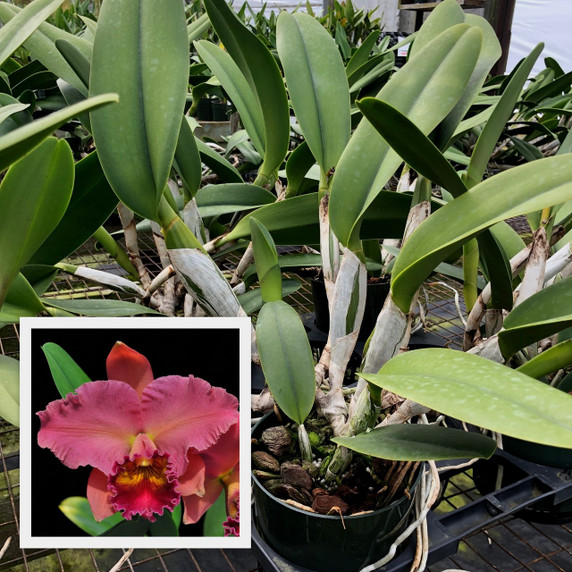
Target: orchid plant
{"type": "Point", "coordinates": [353, 145]}
{"type": "Point", "coordinates": [152, 443]}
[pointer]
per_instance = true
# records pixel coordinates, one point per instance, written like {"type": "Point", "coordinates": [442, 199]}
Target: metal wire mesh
{"type": "Point", "coordinates": [511, 545]}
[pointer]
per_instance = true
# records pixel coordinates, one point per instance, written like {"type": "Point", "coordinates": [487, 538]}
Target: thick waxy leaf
{"type": "Point", "coordinates": [361, 55]}
{"type": "Point", "coordinates": [501, 113]}
{"type": "Point", "coordinates": [419, 443]}
{"type": "Point", "coordinates": [77, 509]}
{"type": "Point", "coordinates": [91, 204]}
{"type": "Point", "coordinates": [238, 89]}
{"type": "Point", "coordinates": [214, 200]}
{"type": "Point", "coordinates": [266, 260]}
{"type": "Point", "coordinates": [18, 142]}
{"type": "Point", "coordinates": [41, 45]}
{"type": "Point", "coordinates": [21, 300]}
{"type": "Point", "coordinates": [261, 71]}
{"type": "Point", "coordinates": [251, 301]}
{"type": "Point", "coordinates": [295, 220]}
{"type": "Point", "coordinates": [44, 178]}
{"type": "Point", "coordinates": [554, 358]}
{"type": "Point", "coordinates": [149, 48]}
{"type": "Point", "coordinates": [547, 312]}
{"type": "Point", "coordinates": [78, 62]}
{"type": "Point", "coordinates": [286, 359]}
{"type": "Point", "coordinates": [166, 524]}
{"type": "Point", "coordinates": [215, 517]}
{"type": "Point", "coordinates": [197, 28]}
{"type": "Point", "coordinates": [66, 373]}
{"type": "Point", "coordinates": [317, 84]}
{"type": "Point", "coordinates": [187, 159]}
{"type": "Point", "coordinates": [14, 33]}
{"type": "Point", "coordinates": [521, 190]}
{"type": "Point", "coordinates": [108, 308]}
{"type": "Point", "coordinates": [10, 389]}
{"type": "Point", "coordinates": [297, 166]}
{"type": "Point", "coordinates": [8, 110]}
{"type": "Point", "coordinates": [413, 146]}
{"type": "Point", "coordinates": [482, 392]}
{"type": "Point", "coordinates": [296, 216]}
{"type": "Point", "coordinates": [425, 90]}
{"type": "Point", "coordinates": [227, 172]}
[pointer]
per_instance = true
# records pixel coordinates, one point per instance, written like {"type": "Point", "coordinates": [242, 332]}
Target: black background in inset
{"type": "Point", "coordinates": [212, 354]}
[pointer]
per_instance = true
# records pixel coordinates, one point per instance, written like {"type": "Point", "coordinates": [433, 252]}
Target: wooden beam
{"type": "Point", "coordinates": [499, 13]}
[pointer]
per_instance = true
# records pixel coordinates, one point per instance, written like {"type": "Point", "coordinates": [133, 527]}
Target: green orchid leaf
{"type": "Point", "coordinates": [491, 51]}
{"type": "Point", "coordinates": [443, 17]}
{"type": "Point", "coordinates": [21, 301]}
{"type": "Point", "coordinates": [481, 392]}
{"type": "Point", "coordinates": [361, 56]}
{"type": "Point", "coordinates": [521, 190]}
{"type": "Point", "coordinates": [266, 261]}
{"type": "Point", "coordinates": [214, 200]}
{"type": "Point", "coordinates": [8, 110]}
{"type": "Point", "coordinates": [496, 266]}
{"type": "Point", "coordinates": [187, 159]}
{"type": "Point", "coordinates": [317, 83]}
{"type": "Point", "coordinates": [109, 308]}
{"type": "Point", "coordinates": [412, 145]}
{"type": "Point", "coordinates": [238, 90]}
{"type": "Point", "coordinates": [297, 166]}
{"type": "Point", "coordinates": [77, 509]}
{"type": "Point", "coordinates": [137, 526]}
{"type": "Point", "coordinates": [41, 45]}
{"type": "Point", "coordinates": [225, 170]}
{"type": "Point", "coordinates": [149, 49]}
{"type": "Point", "coordinates": [251, 301]}
{"type": "Point", "coordinates": [293, 217]}
{"type": "Point", "coordinates": [261, 71]}
{"type": "Point", "coordinates": [10, 389]}
{"type": "Point", "coordinates": [66, 373]}
{"type": "Point", "coordinates": [17, 30]}
{"type": "Point", "coordinates": [419, 443]}
{"type": "Point", "coordinates": [286, 262]}
{"type": "Point", "coordinates": [543, 314]}
{"type": "Point", "coordinates": [554, 358]}
{"type": "Point", "coordinates": [215, 517]}
{"type": "Point", "coordinates": [501, 113]}
{"type": "Point", "coordinates": [196, 29]}
{"type": "Point", "coordinates": [425, 90]}
{"type": "Point", "coordinates": [20, 141]}
{"type": "Point", "coordinates": [91, 203]}
{"type": "Point", "coordinates": [165, 525]}
{"type": "Point", "coordinates": [78, 62]}
{"type": "Point", "coordinates": [45, 178]}
{"type": "Point", "coordinates": [286, 359]}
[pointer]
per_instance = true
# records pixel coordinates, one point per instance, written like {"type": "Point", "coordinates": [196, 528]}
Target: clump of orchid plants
{"type": "Point", "coordinates": [152, 443]}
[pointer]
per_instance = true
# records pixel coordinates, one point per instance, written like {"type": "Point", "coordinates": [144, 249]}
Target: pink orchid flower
{"type": "Point", "coordinates": [142, 436]}
{"type": "Point", "coordinates": [221, 472]}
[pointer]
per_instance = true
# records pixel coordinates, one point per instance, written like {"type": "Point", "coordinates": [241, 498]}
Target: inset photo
{"type": "Point", "coordinates": [134, 428]}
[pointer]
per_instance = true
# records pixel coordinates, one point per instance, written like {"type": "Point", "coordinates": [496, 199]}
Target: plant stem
{"type": "Point", "coordinates": [177, 233]}
{"type": "Point", "coordinates": [112, 246]}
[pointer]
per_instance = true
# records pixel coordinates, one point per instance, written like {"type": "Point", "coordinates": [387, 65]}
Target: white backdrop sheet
{"type": "Point", "coordinates": [548, 21]}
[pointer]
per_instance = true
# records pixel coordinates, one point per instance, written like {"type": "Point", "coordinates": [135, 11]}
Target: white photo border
{"type": "Point", "coordinates": [27, 325]}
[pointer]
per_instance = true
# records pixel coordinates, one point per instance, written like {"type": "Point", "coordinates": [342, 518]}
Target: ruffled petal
{"type": "Point", "coordinates": [231, 483]}
{"type": "Point", "coordinates": [144, 486]}
{"type": "Point", "coordinates": [196, 506]}
{"type": "Point", "coordinates": [222, 457]}
{"type": "Point", "coordinates": [95, 427]}
{"type": "Point", "coordinates": [192, 481]}
{"type": "Point", "coordinates": [98, 495]}
{"type": "Point", "coordinates": [125, 364]}
{"type": "Point", "coordinates": [231, 525]}
{"type": "Point", "coordinates": [182, 413]}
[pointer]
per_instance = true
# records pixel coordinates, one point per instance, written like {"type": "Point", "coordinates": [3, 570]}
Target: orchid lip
{"type": "Point", "coordinates": [144, 485]}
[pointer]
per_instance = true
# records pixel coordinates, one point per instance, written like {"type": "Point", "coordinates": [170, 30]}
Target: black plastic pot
{"type": "Point", "coordinates": [376, 294]}
{"type": "Point", "coordinates": [320, 542]}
